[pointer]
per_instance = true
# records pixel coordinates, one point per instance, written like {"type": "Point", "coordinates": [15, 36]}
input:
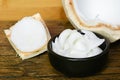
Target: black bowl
{"type": "Point", "coordinates": [76, 67]}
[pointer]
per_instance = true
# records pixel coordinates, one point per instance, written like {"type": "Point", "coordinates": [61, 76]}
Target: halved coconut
{"type": "Point", "coordinates": [29, 36]}
{"type": "Point", "coordinates": [99, 16]}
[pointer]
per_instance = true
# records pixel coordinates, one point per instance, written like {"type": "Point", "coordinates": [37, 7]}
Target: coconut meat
{"type": "Point", "coordinates": [28, 35]}
{"type": "Point", "coordinates": [74, 44]}
{"type": "Point", "coordinates": [94, 11]}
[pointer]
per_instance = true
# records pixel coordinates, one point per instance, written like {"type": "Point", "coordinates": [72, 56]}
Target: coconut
{"type": "Point", "coordinates": [29, 36]}
{"type": "Point", "coordinates": [99, 16]}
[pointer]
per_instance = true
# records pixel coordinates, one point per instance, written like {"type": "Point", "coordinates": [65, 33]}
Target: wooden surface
{"type": "Point", "coordinates": [39, 68]}
{"type": "Point", "coordinates": [16, 9]}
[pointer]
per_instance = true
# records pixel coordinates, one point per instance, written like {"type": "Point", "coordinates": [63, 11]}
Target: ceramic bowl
{"type": "Point", "coordinates": [79, 66]}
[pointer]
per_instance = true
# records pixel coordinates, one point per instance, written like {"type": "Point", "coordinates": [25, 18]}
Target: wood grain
{"type": "Point", "coordinates": [0, 3]}
{"type": "Point", "coordinates": [39, 68]}
{"type": "Point", "coordinates": [34, 3]}
{"type": "Point", "coordinates": [16, 9]}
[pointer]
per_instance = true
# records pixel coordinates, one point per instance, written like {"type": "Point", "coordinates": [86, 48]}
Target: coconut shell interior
{"type": "Point", "coordinates": [109, 31]}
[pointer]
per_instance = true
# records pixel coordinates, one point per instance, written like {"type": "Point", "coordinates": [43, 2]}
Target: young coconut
{"type": "Point", "coordinates": [29, 36]}
{"type": "Point", "coordinates": [99, 16]}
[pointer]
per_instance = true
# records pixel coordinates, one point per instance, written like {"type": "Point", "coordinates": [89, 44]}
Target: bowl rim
{"type": "Point", "coordinates": [106, 42]}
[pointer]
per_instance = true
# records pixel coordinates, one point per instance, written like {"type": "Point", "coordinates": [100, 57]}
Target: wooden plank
{"type": "Point", "coordinates": [39, 67]}
{"type": "Point", "coordinates": [34, 3]}
{"type": "Point", "coordinates": [16, 9]}
{"type": "Point", "coordinates": [95, 77]}
{"type": "Point", "coordinates": [4, 4]}
{"type": "Point", "coordinates": [0, 3]}
{"type": "Point", "coordinates": [47, 13]}
{"type": "Point", "coordinates": [11, 72]}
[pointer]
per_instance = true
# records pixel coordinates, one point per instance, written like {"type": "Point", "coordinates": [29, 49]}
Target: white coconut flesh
{"type": "Point", "coordinates": [28, 35]}
{"type": "Point", "coordinates": [102, 11]}
{"type": "Point", "coordinates": [73, 44]}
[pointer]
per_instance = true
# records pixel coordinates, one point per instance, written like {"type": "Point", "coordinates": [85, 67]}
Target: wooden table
{"type": "Point", "coordinates": [39, 68]}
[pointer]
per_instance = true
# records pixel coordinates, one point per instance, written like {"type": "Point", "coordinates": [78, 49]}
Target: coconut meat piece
{"type": "Point", "coordinates": [94, 11]}
{"type": "Point", "coordinates": [28, 35]}
{"type": "Point", "coordinates": [77, 45]}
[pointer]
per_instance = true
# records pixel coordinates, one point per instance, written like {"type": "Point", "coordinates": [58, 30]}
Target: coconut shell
{"type": "Point", "coordinates": [105, 29]}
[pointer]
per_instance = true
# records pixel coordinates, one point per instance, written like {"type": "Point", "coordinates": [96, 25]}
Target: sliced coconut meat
{"type": "Point", "coordinates": [76, 44]}
{"type": "Point", "coordinates": [28, 34]}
